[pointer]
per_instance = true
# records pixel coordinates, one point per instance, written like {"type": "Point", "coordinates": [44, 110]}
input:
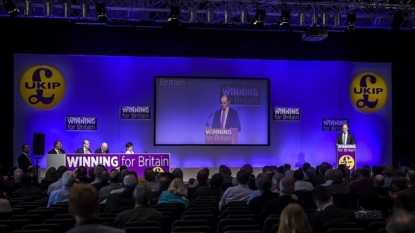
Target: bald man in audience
{"type": "Point", "coordinates": [103, 149]}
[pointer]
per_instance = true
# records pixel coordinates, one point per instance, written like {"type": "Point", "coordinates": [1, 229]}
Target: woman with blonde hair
{"type": "Point", "coordinates": [176, 193]}
{"type": "Point", "coordinates": [293, 219]}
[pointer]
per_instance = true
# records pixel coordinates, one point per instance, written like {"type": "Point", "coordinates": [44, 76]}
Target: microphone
{"type": "Point", "coordinates": [207, 123]}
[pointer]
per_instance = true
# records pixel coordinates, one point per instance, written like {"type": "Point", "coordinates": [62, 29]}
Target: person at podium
{"type": "Point", "coordinates": [345, 137]}
{"type": "Point", "coordinates": [57, 148]}
{"type": "Point", "coordinates": [226, 117]}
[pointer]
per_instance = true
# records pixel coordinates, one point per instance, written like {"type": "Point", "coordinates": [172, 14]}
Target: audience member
{"type": "Point", "coordinates": [320, 178]}
{"type": "Point", "coordinates": [178, 173]}
{"type": "Point", "coordinates": [163, 184]}
{"type": "Point", "coordinates": [369, 206]}
{"type": "Point", "coordinates": [4, 203]}
{"type": "Point", "coordinates": [263, 183]}
{"type": "Point", "coordinates": [104, 177]}
{"type": "Point", "coordinates": [401, 222]}
{"type": "Point", "coordinates": [336, 187]}
{"type": "Point", "coordinates": [123, 199]}
{"type": "Point", "coordinates": [14, 183]}
{"type": "Point", "coordinates": [81, 175]}
{"type": "Point", "coordinates": [150, 176]}
{"type": "Point", "coordinates": [213, 190]}
{"type": "Point", "coordinates": [141, 211]}
{"type": "Point", "coordinates": [300, 183]}
{"type": "Point", "coordinates": [202, 181]}
{"type": "Point", "coordinates": [27, 188]}
{"type": "Point", "coordinates": [176, 193]}
{"type": "Point", "coordinates": [294, 219]}
{"type": "Point", "coordinates": [61, 195]}
{"type": "Point", "coordinates": [114, 183]}
{"type": "Point", "coordinates": [84, 206]}
{"type": "Point", "coordinates": [58, 184]}
{"type": "Point", "coordinates": [97, 174]}
{"type": "Point", "coordinates": [240, 192]}
{"type": "Point", "coordinates": [51, 176]}
{"type": "Point", "coordinates": [328, 177]}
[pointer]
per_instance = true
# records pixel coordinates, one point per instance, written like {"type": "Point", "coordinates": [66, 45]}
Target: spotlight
{"type": "Point", "coordinates": [351, 21]}
{"type": "Point", "coordinates": [10, 7]}
{"type": "Point", "coordinates": [174, 14]}
{"type": "Point", "coordinates": [260, 17]}
{"type": "Point", "coordinates": [285, 18]}
{"type": "Point", "coordinates": [101, 11]}
{"type": "Point", "coordinates": [397, 20]}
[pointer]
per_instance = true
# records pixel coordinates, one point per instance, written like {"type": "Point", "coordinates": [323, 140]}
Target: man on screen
{"type": "Point", "coordinates": [57, 148]}
{"type": "Point", "coordinates": [226, 117]}
{"type": "Point", "coordinates": [345, 138]}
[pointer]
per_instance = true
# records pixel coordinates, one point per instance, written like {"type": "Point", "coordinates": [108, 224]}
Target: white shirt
{"type": "Point", "coordinates": [129, 152]}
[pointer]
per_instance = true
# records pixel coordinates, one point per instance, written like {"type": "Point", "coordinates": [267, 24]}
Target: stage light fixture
{"type": "Point", "coordinates": [10, 7]}
{"type": "Point", "coordinates": [174, 14]}
{"type": "Point", "coordinates": [351, 21]}
{"type": "Point", "coordinates": [260, 17]}
{"type": "Point", "coordinates": [397, 20]}
{"type": "Point", "coordinates": [285, 18]}
{"type": "Point", "coordinates": [101, 11]}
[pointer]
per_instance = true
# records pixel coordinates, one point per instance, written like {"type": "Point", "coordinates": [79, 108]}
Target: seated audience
{"type": "Point", "coordinates": [337, 187]}
{"type": "Point", "coordinates": [58, 184]}
{"type": "Point", "coordinates": [13, 184]}
{"type": "Point", "coordinates": [398, 184]}
{"type": "Point", "coordinates": [27, 188]}
{"type": "Point", "coordinates": [369, 206]}
{"type": "Point", "coordinates": [141, 211]}
{"type": "Point", "coordinates": [202, 181]}
{"type": "Point", "coordinates": [328, 177]}
{"type": "Point", "coordinates": [114, 183]}
{"type": "Point", "coordinates": [294, 219]}
{"type": "Point", "coordinates": [97, 174]}
{"type": "Point", "coordinates": [150, 176]}
{"type": "Point", "coordinates": [104, 177]}
{"type": "Point", "coordinates": [163, 184]}
{"type": "Point", "coordinates": [4, 203]}
{"type": "Point", "coordinates": [401, 222]}
{"type": "Point", "coordinates": [176, 193]}
{"type": "Point", "coordinates": [81, 175]}
{"type": "Point", "coordinates": [178, 173]}
{"type": "Point", "coordinates": [241, 192]}
{"type": "Point", "coordinates": [84, 206]}
{"type": "Point", "coordinates": [213, 190]}
{"type": "Point", "coordinates": [327, 212]}
{"type": "Point", "coordinates": [51, 176]}
{"type": "Point", "coordinates": [263, 183]}
{"type": "Point", "coordinates": [300, 183]}
{"type": "Point", "coordinates": [125, 198]}
{"type": "Point", "coordinates": [61, 195]}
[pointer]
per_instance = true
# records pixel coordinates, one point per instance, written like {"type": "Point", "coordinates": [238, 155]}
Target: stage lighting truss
{"type": "Point", "coordinates": [369, 14]}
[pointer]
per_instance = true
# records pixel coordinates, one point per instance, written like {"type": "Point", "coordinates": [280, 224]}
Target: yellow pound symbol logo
{"type": "Point", "coordinates": [348, 161]}
{"type": "Point", "coordinates": [42, 87]}
{"type": "Point", "coordinates": [158, 169]}
{"type": "Point", "coordinates": [368, 92]}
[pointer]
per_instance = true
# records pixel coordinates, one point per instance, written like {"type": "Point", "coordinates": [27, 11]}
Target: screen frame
{"type": "Point", "coordinates": [268, 117]}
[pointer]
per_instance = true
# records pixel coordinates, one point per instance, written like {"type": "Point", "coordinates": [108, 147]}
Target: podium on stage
{"type": "Point", "coordinates": [221, 136]}
{"type": "Point", "coordinates": [346, 154]}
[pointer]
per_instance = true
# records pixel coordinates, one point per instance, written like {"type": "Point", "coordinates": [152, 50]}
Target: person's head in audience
{"type": "Point", "coordinates": [368, 200]}
{"type": "Point", "coordinates": [311, 173]}
{"type": "Point", "coordinates": [61, 170]}
{"type": "Point", "coordinates": [149, 175]}
{"type": "Point", "coordinates": [123, 173]}
{"type": "Point", "coordinates": [81, 172]}
{"type": "Point", "coordinates": [91, 173]}
{"type": "Point", "coordinates": [368, 168]}
{"type": "Point", "coordinates": [388, 172]}
{"type": "Point", "coordinates": [178, 173]}
{"type": "Point", "coordinates": [376, 170]}
{"type": "Point", "coordinates": [378, 181]}
{"type": "Point", "coordinates": [337, 176]}
{"type": "Point", "coordinates": [265, 169]}
{"type": "Point", "coordinates": [401, 222]}
{"type": "Point", "coordinates": [191, 181]}
{"type": "Point", "coordinates": [206, 170]}
{"type": "Point", "coordinates": [287, 186]}
{"type": "Point", "coordinates": [293, 219]}
{"type": "Point", "coordinates": [97, 171]}
{"type": "Point", "coordinates": [114, 177]}
{"type": "Point", "coordinates": [328, 174]}
{"type": "Point", "coordinates": [263, 182]}
{"type": "Point", "coordinates": [242, 177]}
{"type": "Point", "coordinates": [410, 176]}
{"type": "Point", "coordinates": [298, 175]}
{"type": "Point", "coordinates": [83, 202]}
{"type": "Point", "coordinates": [10, 172]}
{"type": "Point", "coordinates": [129, 182]}
{"type": "Point", "coordinates": [142, 195]}
{"type": "Point", "coordinates": [306, 166]}
{"type": "Point", "coordinates": [216, 181]}
{"type": "Point", "coordinates": [51, 175]}
{"type": "Point", "coordinates": [286, 167]}
{"type": "Point", "coordinates": [228, 171]}
{"type": "Point", "coordinates": [32, 171]}
{"type": "Point", "coordinates": [163, 183]}
{"type": "Point", "coordinates": [355, 174]}
{"type": "Point", "coordinates": [403, 170]}
{"type": "Point", "coordinates": [134, 173]}
{"type": "Point", "coordinates": [364, 173]}
{"type": "Point", "coordinates": [68, 178]}
{"type": "Point", "coordinates": [17, 174]}
{"type": "Point", "coordinates": [222, 168]}
{"type": "Point", "coordinates": [104, 176]}
{"type": "Point", "coordinates": [276, 182]}
{"type": "Point", "coordinates": [398, 183]}
{"type": "Point", "coordinates": [323, 168]}
{"type": "Point", "coordinates": [177, 187]}
{"type": "Point", "coordinates": [289, 173]}
{"type": "Point", "coordinates": [25, 180]}
{"type": "Point", "coordinates": [405, 201]}
{"type": "Point", "coordinates": [321, 196]}
{"type": "Point", "coordinates": [202, 177]}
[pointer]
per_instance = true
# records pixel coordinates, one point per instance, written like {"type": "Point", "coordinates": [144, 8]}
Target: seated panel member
{"type": "Point", "coordinates": [57, 148]}
{"type": "Point", "coordinates": [103, 149]}
{"type": "Point", "coordinates": [129, 147]}
{"type": "Point", "coordinates": [84, 149]}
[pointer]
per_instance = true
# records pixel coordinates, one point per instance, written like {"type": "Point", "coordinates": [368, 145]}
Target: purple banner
{"type": "Point", "coordinates": [346, 154]}
{"type": "Point", "coordinates": [159, 162]}
{"type": "Point", "coordinates": [135, 112]}
{"type": "Point", "coordinates": [81, 123]}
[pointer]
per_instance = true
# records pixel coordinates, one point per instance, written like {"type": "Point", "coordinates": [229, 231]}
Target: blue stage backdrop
{"type": "Point", "coordinates": [302, 105]}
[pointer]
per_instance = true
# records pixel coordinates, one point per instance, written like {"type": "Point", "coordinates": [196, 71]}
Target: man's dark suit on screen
{"type": "Point", "coordinates": [232, 120]}
{"type": "Point", "coordinates": [349, 141]}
